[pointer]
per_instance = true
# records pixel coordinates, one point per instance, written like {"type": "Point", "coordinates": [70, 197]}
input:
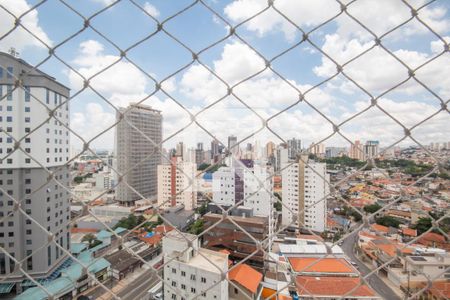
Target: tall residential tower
{"type": "Point", "coordinates": [138, 148]}
{"type": "Point", "coordinates": [23, 178]}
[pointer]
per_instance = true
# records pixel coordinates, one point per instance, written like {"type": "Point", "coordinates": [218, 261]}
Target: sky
{"type": "Point", "coordinates": [264, 104]}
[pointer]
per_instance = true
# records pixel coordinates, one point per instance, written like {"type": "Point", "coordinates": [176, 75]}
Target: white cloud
{"type": "Point", "coordinates": [379, 16]}
{"type": "Point", "coordinates": [122, 78]}
{"type": "Point", "coordinates": [377, 71]}
{"type": "Point", "coordinates": [19, 38]}
{"type": "Point", "coordinates": [90, 122]}
{"type": "Point", "coordinates": [151, 10]}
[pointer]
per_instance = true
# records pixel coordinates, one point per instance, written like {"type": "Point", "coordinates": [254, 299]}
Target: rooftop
{"type": "Point", "coordinates": [332, 286]}
{"type": "Point", "coordinates": [211, 261]}
{"type": "Point", "coordinates": [246, 276]}
{"type": "Point", "coordinates": [320, 265]}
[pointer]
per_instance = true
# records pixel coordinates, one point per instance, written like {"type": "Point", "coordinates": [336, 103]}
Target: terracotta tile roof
{"type": "Point", "coordinates": [246, 276]}
{"type": "Point", "coordinates": [440, 289]}
{"type": "Point", "coordinates": [162, 229]}
{"type": "Point", "coordinates": [379, 228]}
{"type": "Point", "coordinates": [369, 235]}
{"type": "Point", "coordinates": [391, 249]}
{"type": "Point", "coordinates": [432, 237]}
{"type": "Point", "coordinates": [151, 240]}
{"type": "Point", "coordinates": [332, 286]}
{"type": "Point", "coordinates": [409, 232]}
{"type": "Point", "coordinates": [309, 237]}
{"type": "Point", "coordinates": [83, 230]}
{"type": "Point", "coordinates": [324, 265]}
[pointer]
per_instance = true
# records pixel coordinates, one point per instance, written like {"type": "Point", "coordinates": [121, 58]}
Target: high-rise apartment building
{"type": "Point", "coordinates": [270, 149]}
{"type": "Point", "coordinates": [199, 154]}
{"type": "Point", "coordinates": [232, 145]}
{"type": "Point", "coordinates": [23, 122]}
{"type": "Point", "coordinates": [180, 150]}
{"type": "Point", "coordinates": [371, 149]}
{"type": "Point", "coordinates": [176, 184]}
{"type": "Point", "coordinates": [215, 154]}
{"type": "Point", "coordinates": [233, 185]}
{"type": "Point", "coordinates": [304, 187]}
{"type": "Point", "coordinates": [192, 271]}
{"type": "Point", "coordinates": [356, 150]}
{"type": "Point", "coordinates": [138, 148]}
{"type": "Point", "coordinates": [294, 148]}
{"type": "Point", "coordinates": [318, 149]}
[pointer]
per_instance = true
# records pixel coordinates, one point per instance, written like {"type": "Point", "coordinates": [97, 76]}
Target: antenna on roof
{"type": "Point", "coordinates": [12, 51]}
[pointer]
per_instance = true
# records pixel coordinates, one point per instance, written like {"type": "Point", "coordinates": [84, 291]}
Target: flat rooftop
{"type": "Point", "coordinates": [212, 261]}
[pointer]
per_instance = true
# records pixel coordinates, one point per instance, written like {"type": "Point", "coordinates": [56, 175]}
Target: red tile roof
{"type": "Point", "coordinates": [320, 265]}
{"type": "Point", "coordinates": [409, 232]}
{"type": "Point", "coordinates": [332, 286]}
{"type": "Point", "coordinates": [440, 290]}
{"type": "Point", "coordinates": [246, 276]}
{"type": "Point", "coordinates": [379, 228]}
{"type": "Point", "coordinates": [83, 230]}
{"type": "Point", "coordinates": [432, 237]}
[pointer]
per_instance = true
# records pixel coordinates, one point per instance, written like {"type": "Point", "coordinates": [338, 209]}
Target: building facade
{"type": "Point", "coordinates": [24, 122]}
{"type": "Point", "coordinates": [249, 186]}
{"type": "Point", "coordinates": [356, 150]}
{"type": "Point", "coordinates": [138, 148]}
{"type": "Point", "coordinates": [304, 186]}
{"type": "Point", "coordinates": [191, 270]}
{"type": "Point", "coordinates": [176, 184]}
{"type": "Point", "coordinates": [294, 148]}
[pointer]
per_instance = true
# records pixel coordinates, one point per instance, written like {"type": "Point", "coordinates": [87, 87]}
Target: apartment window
{"type": "Point", "coordinates": [203, 280]}
{"type": "Point", "coordinates": [183, 286]}
{"type": "Point", "coordinates": [27, 160]}
{"type": "Point", "coordinates": [174, 271]}
{"type": "Point", "coordinates": [1, 72]}
{"type": "Point", "coordinates": [27, 181]}
{"type": "Point", "coordinates": [27, 129]}
{"type": "Point", "coordinates": [174, 284]}
{"type": "Point", "coordinates": [47, 96]}
{"type": "Point", "coordinates": [174, 297]}
{"type": "Point", "coordinates": [9, 72]}
{"type": "Point", "coordinates": [9, 92]}
{"type": "Point", "coordinates": [27, 119]}
{"type": "Point", "coordinates": [27, 201]}
{"type": "Point", "coordinates": [10, 234]}
{"type": "Point", "coordinates": [11, 224]}
{"type": "Point", "coordinates": [49, 255]}
{"type": "Point", "coordinates": [27, 95]}
{"type": "Point", "coordinates": [27, 109]}
{"type": "Point", "coordinates": [27, 140]}
{"type": "Point", "coordinates": [192, 290]}
{"type": "Point", "coordinates": [27, 150]}
{"type": "Point", "coordinates": [183, 273]}
{"type": "Point", "coordinates": [27, 191]}
{"type": "Point", "coordinates": [29, 242]}
{"type": "Point", "coordinates": [28, 231]}
{"type": "Point", "coordinates": [192, 276]}
{"type": "Point", "coordinates": [9, 108]}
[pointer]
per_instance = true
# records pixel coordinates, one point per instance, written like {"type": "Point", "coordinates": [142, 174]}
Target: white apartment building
{"type": "Point", "coordinates": [103, 180]}
{"type": "Point", "coordinates": [191, 270]}
{"type": "Point", "coordinates": [23, 122]}
{"type": "Point", "coordinates": [177, 184]}
{"type": "Point", "coordinates": [231, 185]}
{"type": "Point", "coordinates": [303, 192]}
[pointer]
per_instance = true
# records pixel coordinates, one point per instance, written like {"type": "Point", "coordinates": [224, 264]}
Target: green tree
{"type": "Point", "coordinates": [277, 205]}
{"type": "Point", "coordinates": [423, 224]}
{"type": "Point", "coordinates": [91, 240]}
{"type": "Point", "coordinates": [197, 227]}
{"type": "Point", "coordinates": [372, 208]}
{"type": "Point", "coordinates": [203, 166]}
{"type": "Point", "coordinates": [388, 221]}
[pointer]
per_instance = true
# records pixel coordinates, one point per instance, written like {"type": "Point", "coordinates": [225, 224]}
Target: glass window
{"type": "Point", "coordinates": [1, 72]}
{"type": "Point", "coordinates": [27, 94]}
{"type": "Point", "coordinates": [47, 96]}
{"type": "Point", "coordinates": [9, 92]}
{"type": "Point", "coordinates": [27, 109]}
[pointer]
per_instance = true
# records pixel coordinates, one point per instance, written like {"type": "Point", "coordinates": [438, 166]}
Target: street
{"type": "Point", "coordinates": [138, 288]}
{"type": "Point", "coordinates": [374, 281]}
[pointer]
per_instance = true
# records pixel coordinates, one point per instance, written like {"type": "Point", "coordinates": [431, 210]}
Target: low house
{"type": "Point", "coordinates": [247, 281]}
